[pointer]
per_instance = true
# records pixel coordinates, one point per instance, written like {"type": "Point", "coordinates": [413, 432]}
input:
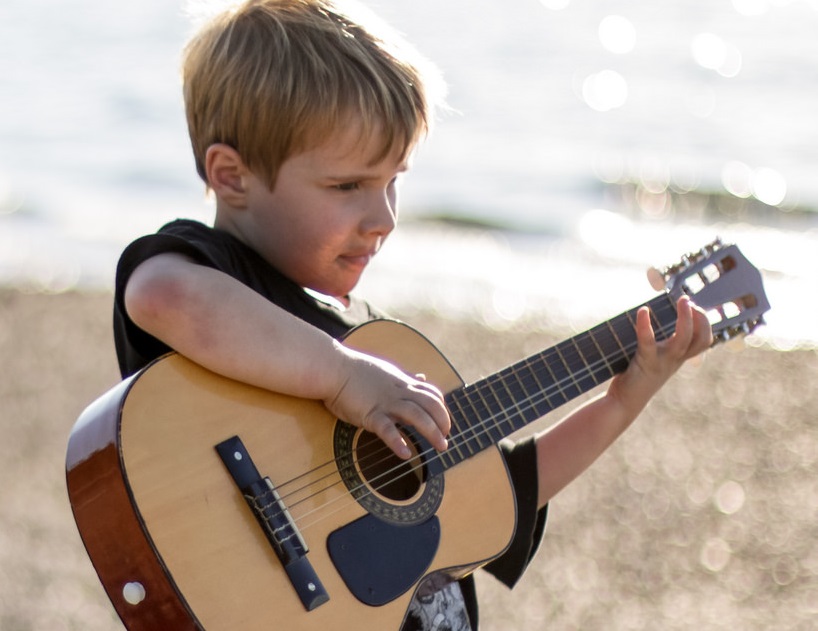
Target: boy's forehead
{"type": "Point", "coordinates": [351, 145]}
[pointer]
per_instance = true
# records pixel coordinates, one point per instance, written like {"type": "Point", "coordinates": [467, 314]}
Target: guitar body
{"type": "Point", "coordinates": [177, 547]}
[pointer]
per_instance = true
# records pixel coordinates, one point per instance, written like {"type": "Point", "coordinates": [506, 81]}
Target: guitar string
{"type": "Point", "coordinates": [475, 430]}
{"type": "Point", "coordinates": [498, 377]}
{"type": "Point", "coordinates": [306, 525]}
{"type": "Point", "coordinates": [385, 451]}
{"type": "Point", "coordinates": [384, 454]}
{"type": "Point", "coordinates": [480, 429]}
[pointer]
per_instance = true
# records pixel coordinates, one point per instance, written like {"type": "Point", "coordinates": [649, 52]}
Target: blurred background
{"type": "Point", "coordinates": [592, 137]}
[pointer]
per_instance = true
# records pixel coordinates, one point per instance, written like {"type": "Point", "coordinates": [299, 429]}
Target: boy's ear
{"type": "Point", "coordinates": [226, 173]}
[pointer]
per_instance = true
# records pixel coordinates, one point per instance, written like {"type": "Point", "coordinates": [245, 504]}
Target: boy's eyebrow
{"type": "Point", "coordinates": [402, 168]}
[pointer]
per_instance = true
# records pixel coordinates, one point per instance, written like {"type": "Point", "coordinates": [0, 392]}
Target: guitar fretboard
{"type": "Point", "coordinates": [485, 412]}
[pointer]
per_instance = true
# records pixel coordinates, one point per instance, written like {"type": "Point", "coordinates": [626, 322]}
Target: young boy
{"type": "Point", "coordinates": [302, 120]}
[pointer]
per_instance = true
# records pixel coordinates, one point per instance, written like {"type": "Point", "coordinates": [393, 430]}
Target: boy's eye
{"type": "Point", "coordinates": [347, 186]}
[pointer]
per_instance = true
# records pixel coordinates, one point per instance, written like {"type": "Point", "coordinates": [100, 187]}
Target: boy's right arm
{"type": "Point", "coordinates": [225, 326]}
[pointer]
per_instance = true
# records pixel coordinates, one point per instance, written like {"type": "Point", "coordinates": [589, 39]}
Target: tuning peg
{"type": "Point", "coordinates": [725, 335]}
{"type": "Point", "coordinates": [657, 279]}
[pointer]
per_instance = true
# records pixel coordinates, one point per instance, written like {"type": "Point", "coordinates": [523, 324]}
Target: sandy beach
{"type": "Point", "coordinates": [703, 516]}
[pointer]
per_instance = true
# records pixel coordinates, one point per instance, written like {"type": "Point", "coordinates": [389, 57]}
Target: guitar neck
{"type": "Point", "coordinates": [485, 412]}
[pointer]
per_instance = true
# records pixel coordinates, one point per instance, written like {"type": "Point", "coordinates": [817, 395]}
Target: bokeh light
{"type": "Point", "coordinates": [617, 34]}
{"type": "Point", "coordinates": [605, 90]}
{"type": "Point", "coordinates": [769, 186]}
{"type": "Point", "coordinates": [715, 554]}
{"type": "Point", "coordinates": [737, 179]}
{"type": "Point", "coordinates": [765, 184]}
{"type": "Point", "coordinates": [712, 52]}
{"type": "Point", "coordinates": [730, 497]}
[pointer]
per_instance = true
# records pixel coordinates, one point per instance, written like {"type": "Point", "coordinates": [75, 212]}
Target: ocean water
{"type": "Point", "coordinates": [595, 138]}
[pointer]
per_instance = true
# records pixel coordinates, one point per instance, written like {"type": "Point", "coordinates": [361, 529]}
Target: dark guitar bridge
{"type": "Point", "coordinates": [274, 519]}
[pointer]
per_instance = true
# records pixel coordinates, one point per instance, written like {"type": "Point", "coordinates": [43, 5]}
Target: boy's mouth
{"type": "Point", "coordinates": [358, 260]}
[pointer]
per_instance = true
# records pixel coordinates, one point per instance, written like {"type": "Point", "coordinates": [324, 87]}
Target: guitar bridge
{"type": "Point", "coordinates": [272, 515]}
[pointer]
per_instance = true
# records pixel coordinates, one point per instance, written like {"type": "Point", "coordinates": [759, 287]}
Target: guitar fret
{"type": "Point", "coordinates": [615, 336]}
{"type": "Point", "coordinates": [571, 388]}
{"type": "Point", "coordinates": [514, 396]}
{"type": "Point", "coordinates": [588, 380]}
{"type": "Point", "coordinates": [657, 326]}
{"type": "Point", "coordinates": [489, 422]}
{"type": "Point", "coordinates": [475, 439]}
{"type": "Point", "coordinates": [627, 333]}
{"type": "Point", "coordinates": [480, 412]}
{"type": "Point", "coordinates": [554, 381]}
{"type": "Point", "coordinates": [460, 437]}
{"type": "Point", "coordinates": [604, 369]}
{"type": "Point", "coordinates": [447, 458]}
{"type": "Point", "coordinates": [463, 442]}
{"type": "Point", "coordinates": [631, 318]}
{"type": "Point", "coordinates": [540, 407]}
{"type": "Point", "coordinates": [508, 404]}
{"type": "Point", "coordinates": [610, 348]}
{"type": "Point", "coordinates": [663, 307]}
{"type": "Point", "coordinates": [540, 388]}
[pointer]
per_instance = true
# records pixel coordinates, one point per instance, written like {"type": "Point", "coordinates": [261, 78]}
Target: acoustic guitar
{"type": "Point", "coordinates": [205, 503]}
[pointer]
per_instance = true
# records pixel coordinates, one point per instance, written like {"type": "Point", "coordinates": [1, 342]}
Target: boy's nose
{"type": "Point", "coordinates": [381, 216]}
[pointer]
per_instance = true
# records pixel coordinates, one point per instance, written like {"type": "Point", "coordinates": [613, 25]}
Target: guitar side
{"type": "Point", "coordinates": [183, 531]}
{"type": "Point", "coordinates": [109, 523]}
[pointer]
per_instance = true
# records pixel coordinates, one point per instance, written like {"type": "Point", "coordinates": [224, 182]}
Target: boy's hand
{"type": "Point", "coordinates": [377, 396]}
{"type": "Point", "coordinates": [655, 362]}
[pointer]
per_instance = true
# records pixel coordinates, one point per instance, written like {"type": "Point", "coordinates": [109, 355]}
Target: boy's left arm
{"type": "Point", "coordinates": [568, 448]}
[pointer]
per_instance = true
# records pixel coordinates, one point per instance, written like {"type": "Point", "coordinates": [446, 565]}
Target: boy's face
{"type": "Point", "coordinates": [329, 213]}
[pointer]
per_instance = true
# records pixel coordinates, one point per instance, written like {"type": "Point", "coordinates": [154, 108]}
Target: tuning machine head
{"type": "Point", "coordinates": [722, 283]}
{"type": "Point", "coordinates": [658, 278]}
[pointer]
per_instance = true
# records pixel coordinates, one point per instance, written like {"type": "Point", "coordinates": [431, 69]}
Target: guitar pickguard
{"type": "Point", "coordinates": [379, 561]}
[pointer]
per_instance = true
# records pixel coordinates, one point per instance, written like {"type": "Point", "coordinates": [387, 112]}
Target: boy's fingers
{"type": "Point", "coordinates": [388, 432]}
{"type": "Point", "coordinates": [434, 405]}
{"type": "Point", "coordinates": [411, 415]}
{"type": "Point", "coordinates": [693, 328]}
{"type": "Point", "coordinates": [432, 426]}
{"type": "Point", "coordinates": [684, 323]}
{"type": "Point", "coordinates": [644, 328]}
{"type": "Point", "coordinates": [702, 331]}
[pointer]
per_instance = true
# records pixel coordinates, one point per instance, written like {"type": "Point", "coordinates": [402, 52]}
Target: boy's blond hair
{"type": "Point", "coordinates": [272, 78]}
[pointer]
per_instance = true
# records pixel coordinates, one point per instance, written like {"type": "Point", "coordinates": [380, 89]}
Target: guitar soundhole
{"type": "Point", "coordinates": [394, 490]}
{"type": "Point", "coordinates": [385, 473]}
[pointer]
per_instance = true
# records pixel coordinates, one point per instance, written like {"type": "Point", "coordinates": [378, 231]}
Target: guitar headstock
{"type": "Point", "coordinates": [721, 281]}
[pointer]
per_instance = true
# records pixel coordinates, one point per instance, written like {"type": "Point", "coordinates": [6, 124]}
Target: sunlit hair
{"type": "Point", "coordinates": [273, 78]}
